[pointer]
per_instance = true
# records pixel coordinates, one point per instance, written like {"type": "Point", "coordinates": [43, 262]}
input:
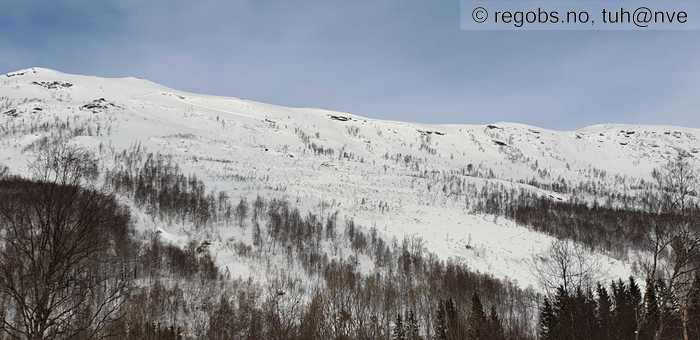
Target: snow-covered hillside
{"type": "Point", "coordinates": [396, 176]}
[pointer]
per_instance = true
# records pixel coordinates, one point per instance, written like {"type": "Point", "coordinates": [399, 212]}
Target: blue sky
{"type": "Point", "coordinates": [392, 59]}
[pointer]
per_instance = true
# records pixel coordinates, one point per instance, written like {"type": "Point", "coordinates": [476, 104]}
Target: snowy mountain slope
{"type": "Point", "coordinates": [399, 177]}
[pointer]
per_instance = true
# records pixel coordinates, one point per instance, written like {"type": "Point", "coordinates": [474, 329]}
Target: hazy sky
{"type": "Point", "coordinates": [390, 59]}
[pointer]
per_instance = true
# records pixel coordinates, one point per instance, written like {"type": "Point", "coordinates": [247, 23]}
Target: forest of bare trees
{"type": "Point", "coordinates": [73, 267]}
{"type": "Point", "coordinates": [87, 275]}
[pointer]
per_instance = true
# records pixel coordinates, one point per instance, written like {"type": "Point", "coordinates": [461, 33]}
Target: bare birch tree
{"type": "Point", "coordinates": [63, 269]}
{"type": "Point", "coordinates": [566, 264]}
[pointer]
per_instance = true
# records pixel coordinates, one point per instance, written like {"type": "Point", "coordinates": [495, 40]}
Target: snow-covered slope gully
{"type": "Point", "coordinates": [384, 174]}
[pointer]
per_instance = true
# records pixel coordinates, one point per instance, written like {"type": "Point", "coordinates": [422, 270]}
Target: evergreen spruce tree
{"type": "Point", "coordinates": [636, 306]}
{"type": "Point", "coordinates": [588, 327]}
{"type": "Point", "coordinates": [562, 306]}
{"type": "Point", "coordinates": [623, 314]}
{"type": "Point", "coordinates": [603, 314]}
{"type": "Point", "coordinates": [651, 312]}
